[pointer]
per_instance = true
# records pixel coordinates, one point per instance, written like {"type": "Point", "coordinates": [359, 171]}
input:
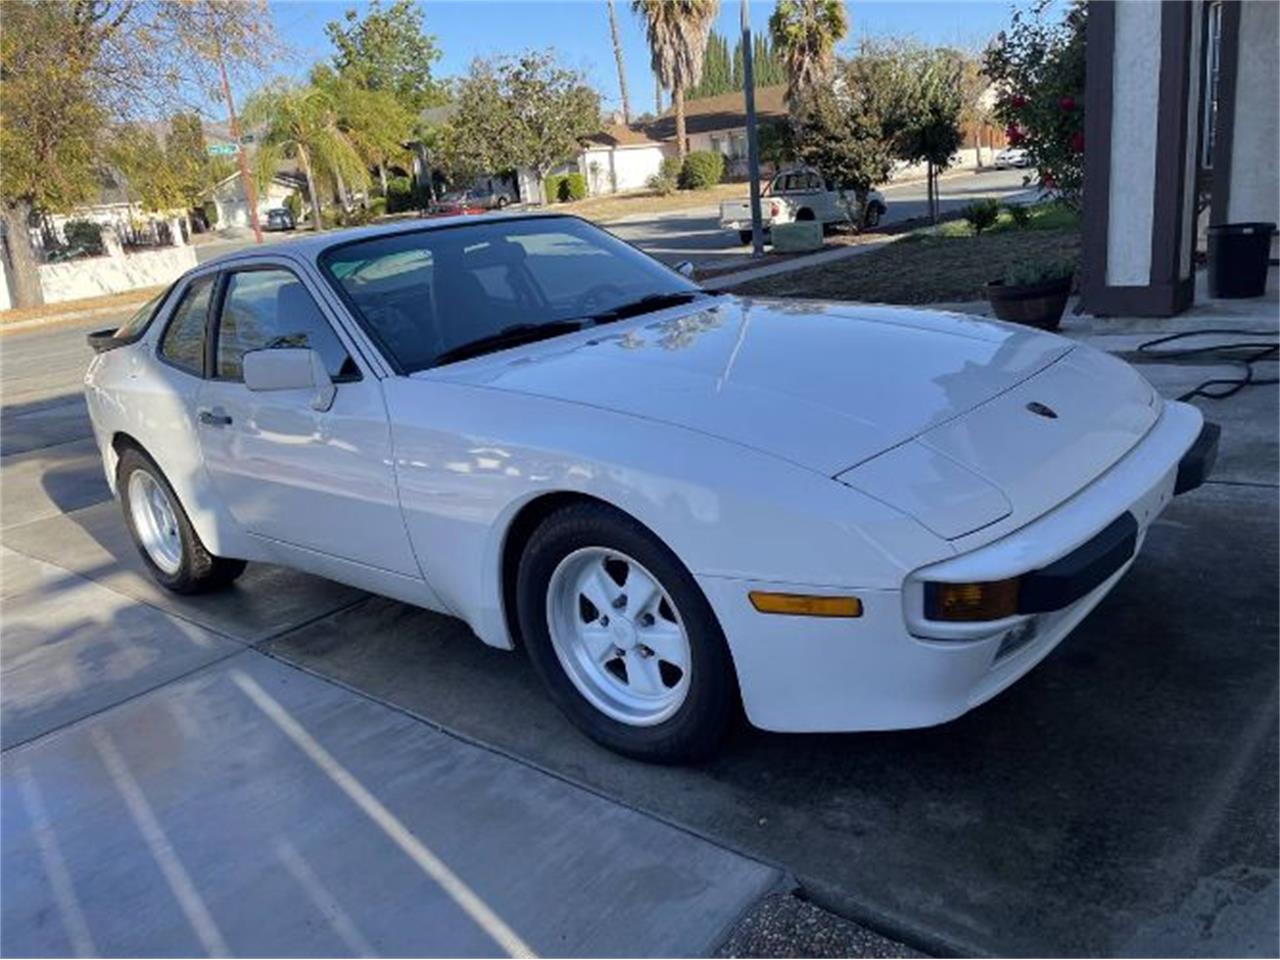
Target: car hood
{"type": "Point", "coordinates": [824, 385]}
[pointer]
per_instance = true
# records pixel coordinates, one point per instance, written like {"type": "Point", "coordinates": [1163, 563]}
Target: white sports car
{"type": "Point", "coordinates": [842, 517]}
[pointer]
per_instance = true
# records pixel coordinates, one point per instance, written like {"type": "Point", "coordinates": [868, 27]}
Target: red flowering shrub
{"type": "Point", "coordinates": [1038, 67]}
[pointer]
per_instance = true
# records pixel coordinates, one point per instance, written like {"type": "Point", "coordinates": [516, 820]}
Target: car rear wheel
{"type": "Point", "coordinates": [744, 237]}
{"type": "Point", "coordinates": [872, 217]}
{"type": "Point", "coordinates": [622, 637]}
{"type": "Point", "coordinates": [162, 532]}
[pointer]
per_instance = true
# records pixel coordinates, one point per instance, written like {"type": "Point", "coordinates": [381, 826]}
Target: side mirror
{"type": "Point", "coordinates": [290, 368]}
{"type": "Point", "coordinates": [685, 269]}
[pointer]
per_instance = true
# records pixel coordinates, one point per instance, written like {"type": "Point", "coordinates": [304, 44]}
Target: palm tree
{"type": "Point", "coordinates": [375, 122]}
{"type": "Point", "coordinates": [301, 122]}
{"type": "Point", "coordinates": [805, 34]}
{"type": "Point", "coordinates": [617, 56]}
{"type": "Point", "coordinates": [677, 33]}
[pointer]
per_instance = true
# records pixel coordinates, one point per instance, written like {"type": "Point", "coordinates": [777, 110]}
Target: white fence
{"type": "Point", "coordinates": [99, 276]}
{"type": "Point", "coordinates": [113, 272]}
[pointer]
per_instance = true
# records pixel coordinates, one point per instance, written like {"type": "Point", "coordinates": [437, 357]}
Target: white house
{"type": "Point", "coordinates": [233, 208]}
{"type": "Point", "coordinates": [621, 158]}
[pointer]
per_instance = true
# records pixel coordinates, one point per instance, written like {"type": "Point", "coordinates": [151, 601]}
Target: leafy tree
{"type": "Point", "coordinates": [767, 69]}
{"type": "Point", "coordinates": [1038, 67]}
{"type": "Point", "coordinates": [69, 71]}
{"type": "Point", "coordinates": [677, 34]}
{"type": "Point", "coordinates": [843, 136]}
{"type": "Point", "coordinates": [388, 49]}
{"type": "Point", "coordinates": [977, 100]}
{"type": "Point", "coordinates": [929, 130]}
{"type": "Point", "coordinates": [302, 122]}
{"type": "Point", "coordinates": [524, 111]}
{"type": "Point", "coordinates": [717, 70]}
{"type": "Point", "coordinates": [151, 172]}
{"type": "Point", "coordinates": [50, 122]}
{"type": "Point", "coordinates": [805, 34]}
{"type": "Point", "coordinates": [374, 120]}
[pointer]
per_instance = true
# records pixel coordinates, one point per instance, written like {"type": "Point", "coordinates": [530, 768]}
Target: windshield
{"type": "Point", "coordinates": [428, 294]}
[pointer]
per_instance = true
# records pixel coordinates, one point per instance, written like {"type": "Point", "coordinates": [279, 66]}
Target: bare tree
{"type": "Point", "coordinates": [617, 57]}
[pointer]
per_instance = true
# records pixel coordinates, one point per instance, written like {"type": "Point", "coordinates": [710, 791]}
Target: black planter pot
{"type": "Point", "coordinates": [1036, 304]}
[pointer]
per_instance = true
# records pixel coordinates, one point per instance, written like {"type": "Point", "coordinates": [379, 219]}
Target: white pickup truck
{"type": "Point", "coordinates": [803, 193]}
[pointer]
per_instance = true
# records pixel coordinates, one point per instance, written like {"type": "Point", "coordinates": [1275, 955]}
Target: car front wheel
{"type": "Point", "coordinates": [622, 637]}
{"type": "Point", "coordinates": [162, 532]}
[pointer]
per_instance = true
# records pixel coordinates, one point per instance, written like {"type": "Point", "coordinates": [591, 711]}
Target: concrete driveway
{"type": "Point", "coordinates": [1120, 799]}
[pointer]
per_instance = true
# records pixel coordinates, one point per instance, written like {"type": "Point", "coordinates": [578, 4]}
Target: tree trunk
{"type": "Point", "coordinates": [929, 188]}
{"type": "Point", "coordinates": [977, 144]}
{"type": "Point", "coordinates": [316, 219]}
{"type": "Point", "coordinates": [21, 267]}
{"type": "Point", "coordinates": [657, 96]}
{"type": "Point", "coordinates": [343, 200]}
{"type": "Point", "coordinates": [677, 97]}
{"type": "Point", "coordinates": [382, 176]}
{"type": "Point", "coordinates": [617, 56]}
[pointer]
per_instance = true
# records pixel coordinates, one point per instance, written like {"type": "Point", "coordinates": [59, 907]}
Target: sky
{"type": "Point", "coordinates": [579, 32]}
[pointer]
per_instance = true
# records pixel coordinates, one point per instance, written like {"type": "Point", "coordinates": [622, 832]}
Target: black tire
{"type": "Point", "coordinates": [804, 215]}
{"type": "Point", "coordinates": [699, 725]}
{"type": "Point", "coordinates": [502, 202]}
{"type": "Point", "coordinates": [744, 237]}
{"type": "Point", "coordinates": [199, 571]}
{"type": "Point", "coordinates": [871, 219]}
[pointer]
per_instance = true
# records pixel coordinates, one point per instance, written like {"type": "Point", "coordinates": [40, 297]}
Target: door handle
{"type": "Point", "coordinates": [213, 418]}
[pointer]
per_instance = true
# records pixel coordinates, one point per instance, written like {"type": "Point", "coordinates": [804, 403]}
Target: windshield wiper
{"type": "Point", "coordinates": [647, 304]}
{"type": "Point", "coordinates": [511, 336]}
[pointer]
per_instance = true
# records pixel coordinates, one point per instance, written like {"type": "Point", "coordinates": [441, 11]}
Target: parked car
{"type": "Point", "coordinates": [279, 218]}
{"type": "Point", "coordinates": [1011, 157]}
{"type": "Point", "coordinates": [455, 204]}
{"type": "Point", "coordinates": [491, 193]}
{"type": "Point", "coordinates": [803, 193]}
{"type": "Point", "coordinates": [840, 516]}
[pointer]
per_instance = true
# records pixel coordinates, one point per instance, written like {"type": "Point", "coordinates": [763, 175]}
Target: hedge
{"type": "Point", "coordinates": [552, 186]}
{"type": "Point", "coordinates": [702, 170]}
{"type": "Point", "coordinates": [573, 187]}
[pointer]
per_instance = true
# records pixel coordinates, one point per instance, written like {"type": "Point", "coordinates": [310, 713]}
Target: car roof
{"type": "Point", "coordinates": [309, 246]}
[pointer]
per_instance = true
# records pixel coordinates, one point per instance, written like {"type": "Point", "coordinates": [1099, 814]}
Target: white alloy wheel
{"type": "Point", "coordinates": [155, 521]}
{"type": "Point", "coordinates": [618, 636]}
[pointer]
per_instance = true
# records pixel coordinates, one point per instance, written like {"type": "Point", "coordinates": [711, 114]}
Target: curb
{"type": "Point", "coordinates": [52, 318]}
{"type": "Point", "coordinates": [738, 277]}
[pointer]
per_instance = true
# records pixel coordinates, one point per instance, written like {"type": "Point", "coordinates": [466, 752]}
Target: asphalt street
{"type": "Point", "coordinates": [695, 234]}
{"type": "Point", "coordinates": [1120, 799]}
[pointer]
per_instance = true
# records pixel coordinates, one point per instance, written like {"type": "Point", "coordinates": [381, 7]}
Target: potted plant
{"type": "Point", "coordinates": [1033, 293]}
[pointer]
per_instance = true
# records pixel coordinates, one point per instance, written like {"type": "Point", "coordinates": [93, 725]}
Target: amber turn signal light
{"type": "Point", "coordinates": [805, 605]}
{"type": "Point", "coordinates": [971, 602]}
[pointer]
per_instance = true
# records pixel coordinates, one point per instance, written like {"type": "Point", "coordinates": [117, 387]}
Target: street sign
{"type": "Point", "coordinates": [222, 149]}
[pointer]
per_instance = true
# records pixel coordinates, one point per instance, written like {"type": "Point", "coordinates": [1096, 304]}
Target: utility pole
{"type": "Point", "coordinates": [753, 145]}
{"type": "Point", "coordinates": [246, 181]}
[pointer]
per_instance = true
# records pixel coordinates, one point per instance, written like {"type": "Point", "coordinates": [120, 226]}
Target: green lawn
{"type": "Point", "coordinates": [935, 264]}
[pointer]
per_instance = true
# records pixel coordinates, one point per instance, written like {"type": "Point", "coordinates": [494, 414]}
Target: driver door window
{"type": "Point", "coordinates": [266, 309]}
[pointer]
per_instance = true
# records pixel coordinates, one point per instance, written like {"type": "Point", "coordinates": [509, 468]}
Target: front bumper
{"type": "Point", "coordinates": [892, 669]}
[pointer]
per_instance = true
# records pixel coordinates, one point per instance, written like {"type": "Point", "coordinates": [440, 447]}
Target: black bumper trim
{"type": "Point", "coordinates": [1081, 571]}
{"type": "Point", "coordinates": [1197, 463]}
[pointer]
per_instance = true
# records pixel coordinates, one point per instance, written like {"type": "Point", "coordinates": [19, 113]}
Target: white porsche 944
{"type": "Point", "coordinates": [840, 517]}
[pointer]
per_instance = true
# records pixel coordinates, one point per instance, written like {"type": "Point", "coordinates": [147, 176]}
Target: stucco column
{"type": "Point", "coordinates": [1141, 139]}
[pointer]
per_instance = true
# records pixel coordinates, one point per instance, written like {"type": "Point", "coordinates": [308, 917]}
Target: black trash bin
{"type": "Point", "coordinates": [1239, 254]}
